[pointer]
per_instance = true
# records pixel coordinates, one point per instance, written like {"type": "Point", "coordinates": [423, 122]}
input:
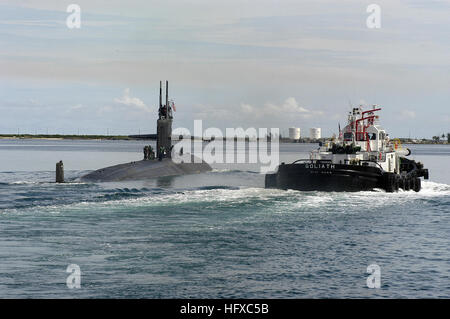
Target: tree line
{"type": "Point", "coordinates": [437, 138]}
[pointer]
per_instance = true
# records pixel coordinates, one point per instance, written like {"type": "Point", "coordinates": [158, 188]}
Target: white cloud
{"type": "Point", "coordinates": [135, 102]}
{"type": "Point", "coordinates": [247, 108]}
{"type": "Point", "coordinates": [266, 115]}
{"type": "Point", "coordinates": [289, 108]}
{"type": "Point", "coordinates": [408, 114]}
{"type": "Point", "coordinates": [77, 107]}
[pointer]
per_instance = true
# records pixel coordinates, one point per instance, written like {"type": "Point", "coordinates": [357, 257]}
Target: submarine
{"type": "Point", "coordinates": [361, 159]}
{"type": "Point", "coordinates": [150, 167]}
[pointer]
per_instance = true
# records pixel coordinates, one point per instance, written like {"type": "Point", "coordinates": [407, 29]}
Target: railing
{"type": "Point", "coordinates": [310, 160]}
{"type": "Point", "coordinates": [368, 161]}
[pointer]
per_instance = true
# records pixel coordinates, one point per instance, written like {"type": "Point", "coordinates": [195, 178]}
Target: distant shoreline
{"type": "Point", "coordinates": [57, 137]}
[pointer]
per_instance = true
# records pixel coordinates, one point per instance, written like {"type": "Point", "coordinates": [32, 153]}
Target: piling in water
{"type": "Point", "coordinates": [60, 172]}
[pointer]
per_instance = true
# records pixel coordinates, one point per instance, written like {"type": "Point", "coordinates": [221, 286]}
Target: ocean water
{"type": "Point", "coordinates": [212, 235]}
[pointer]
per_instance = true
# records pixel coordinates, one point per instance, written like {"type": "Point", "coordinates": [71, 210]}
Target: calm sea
{"type": "Point", "coordinates": [212, 235]}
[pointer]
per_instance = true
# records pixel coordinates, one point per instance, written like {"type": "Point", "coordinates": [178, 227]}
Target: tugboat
{"type": "Point", "coordinates": [362, 158]}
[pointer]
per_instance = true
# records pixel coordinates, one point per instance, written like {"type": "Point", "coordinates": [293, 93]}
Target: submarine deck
{"type": "Point", "coordinates": [145, 169]}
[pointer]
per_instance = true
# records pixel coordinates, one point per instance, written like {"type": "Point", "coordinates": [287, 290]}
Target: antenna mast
{"type": "Point", "coordinates": [167, 99]}
{"type": "Point", "coordinates": [160, 94]}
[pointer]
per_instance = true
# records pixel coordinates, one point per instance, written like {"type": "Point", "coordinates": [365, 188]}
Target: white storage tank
{"type": "Point", "coordinates": [294, 133]}
{"type": "Point", "coordinates": [315, 133]}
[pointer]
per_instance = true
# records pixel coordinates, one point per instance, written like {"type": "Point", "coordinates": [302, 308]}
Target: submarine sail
{"type": "Point", "coordinates": [151, 166]}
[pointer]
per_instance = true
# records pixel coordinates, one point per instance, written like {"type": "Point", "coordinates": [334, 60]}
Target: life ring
{"type": "Point", "coordinates": [397, 143]}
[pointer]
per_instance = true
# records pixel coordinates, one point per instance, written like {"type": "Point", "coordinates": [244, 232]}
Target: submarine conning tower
{"type": "Point", "coordinates": [164, 124]}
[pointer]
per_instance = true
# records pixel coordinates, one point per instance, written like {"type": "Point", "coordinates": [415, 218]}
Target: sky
{"type": "Point", "coordinates": [248, 63]}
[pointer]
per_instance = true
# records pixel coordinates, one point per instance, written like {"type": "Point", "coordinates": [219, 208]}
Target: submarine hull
{"type": "Point", "coordinates": [145, 169]}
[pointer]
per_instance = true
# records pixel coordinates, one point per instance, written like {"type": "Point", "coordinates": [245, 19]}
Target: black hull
{"type": "Point", "coordinates": [324, 176]}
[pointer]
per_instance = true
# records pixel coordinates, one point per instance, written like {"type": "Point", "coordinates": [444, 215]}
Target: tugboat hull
{"type": "Point", "coordinates": [325, 177]}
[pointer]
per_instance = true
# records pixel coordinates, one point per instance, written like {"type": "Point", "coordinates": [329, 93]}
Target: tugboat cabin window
{"type": "Point", "coordinates": [360, 136]}
{"type": "Point", "coordinates": [348, 137]}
